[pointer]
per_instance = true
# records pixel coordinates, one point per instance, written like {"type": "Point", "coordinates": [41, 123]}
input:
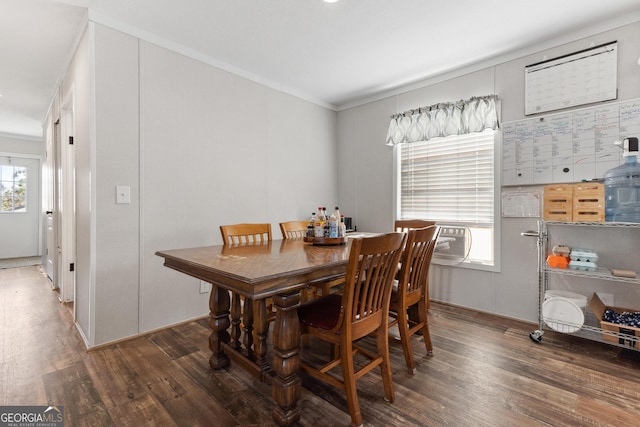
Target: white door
{"type": "Point", "coordinates": [58, 212]}
{"type": "Point", "coordinates": [50, 249]}
{"type": "Point", "coordinates": [19, 206]}
{"type": "Point", "coordinates": [65, 207]}
{"type": "Point", "coordinates": [48, 169]}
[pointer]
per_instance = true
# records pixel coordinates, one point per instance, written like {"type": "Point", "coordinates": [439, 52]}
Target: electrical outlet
{"type": "Point", "coordinates": [205, 287]}
{"type": "Point", "coordinates": [607, 299]}
{"type": "Point", "coordinates": [123, 194]}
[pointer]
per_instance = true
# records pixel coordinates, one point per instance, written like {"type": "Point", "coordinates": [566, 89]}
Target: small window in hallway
{"type": "Point", "coordinates": [13, 188]}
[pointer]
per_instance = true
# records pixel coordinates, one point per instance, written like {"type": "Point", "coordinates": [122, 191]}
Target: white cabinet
{"type": "Point", "coordinates": [617, 246]}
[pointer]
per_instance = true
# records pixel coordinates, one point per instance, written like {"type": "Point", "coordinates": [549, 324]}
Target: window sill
{"type": "Point", "coordinates": [467, 265]}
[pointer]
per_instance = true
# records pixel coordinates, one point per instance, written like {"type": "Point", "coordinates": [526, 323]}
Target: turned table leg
{"type": "Point", "coordinates": [286, 360]}
{"type": "Point", "coordinates": [236, 321]}
{"type": "Point", "coordinates": [219, 323]}
{"type": "Point", "coordinates": [261, 323]}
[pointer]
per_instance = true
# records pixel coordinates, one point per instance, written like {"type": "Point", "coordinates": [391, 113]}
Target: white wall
{"type": "Point", "coordinates": [219, 149]}
{"type": "Point", "coordinates": [199, 147]}
{"type": "Point", "coordinates": [30, 147]}
{"type": "Point", "coordinates": [366, 170]}
{"type": "Point", "coordinates": [115, 296]}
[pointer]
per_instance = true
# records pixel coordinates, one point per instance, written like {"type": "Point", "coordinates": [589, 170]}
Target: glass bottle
{"type": "Point", "coordinates": [325, 224]}
{"type": "Point", "coordinates": [311, 225]}
{"type": "Point", "coordinates": [319, 224]}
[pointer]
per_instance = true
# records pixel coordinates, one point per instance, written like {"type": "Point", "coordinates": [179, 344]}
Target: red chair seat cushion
{"type": "Point", "coordinates": [321, 313]}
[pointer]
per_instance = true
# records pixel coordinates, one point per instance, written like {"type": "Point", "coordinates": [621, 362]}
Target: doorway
{"type": "Point", "coordinates": [19, 206]}
{"type": "Point", "coordinates": [48, 187]}
{"type": "Point", "coordinates": [60, 200]}
{"type": "Point", "coordinates": [65, 201]}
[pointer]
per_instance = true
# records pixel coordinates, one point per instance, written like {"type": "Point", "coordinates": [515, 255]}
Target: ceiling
{"type": "Point", "coordinates": [335, 55]}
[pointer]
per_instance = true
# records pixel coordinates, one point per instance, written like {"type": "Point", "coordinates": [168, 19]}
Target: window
{"type": "Point", "coordinates": [13, 188]}
{"type": "Point", "coordinates": [451, 180]}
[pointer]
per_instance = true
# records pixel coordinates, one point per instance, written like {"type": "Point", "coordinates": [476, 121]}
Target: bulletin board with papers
{"type": "Point", "coordinates": [569, 146]}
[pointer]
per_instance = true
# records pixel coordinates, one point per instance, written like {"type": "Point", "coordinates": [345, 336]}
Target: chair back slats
{"type": "Point", "coordinates": [245, 233]}
{"type": "Point", "coordinates": [372, 266]}
{"type": "Point", "coordinates": [417, 256]}
{"type": "Point", "coordinates": [294, 229]}
{"type": "Point", "coordinates": [416, 259]}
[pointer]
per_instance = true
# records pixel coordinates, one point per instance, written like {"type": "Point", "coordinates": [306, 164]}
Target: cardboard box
{"type": "Point", "coordinates": [597, 307]}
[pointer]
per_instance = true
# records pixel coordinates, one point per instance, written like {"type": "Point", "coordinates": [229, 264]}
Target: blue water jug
{"type": "Point", "coordinates": [622, 187]}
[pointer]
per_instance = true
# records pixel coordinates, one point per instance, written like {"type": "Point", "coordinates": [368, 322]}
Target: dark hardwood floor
{"type": "Point", "coordinates": [485, 371]}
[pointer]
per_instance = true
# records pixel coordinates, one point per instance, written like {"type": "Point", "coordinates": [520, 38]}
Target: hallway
{"type": "Point", "coordinates": [37, 336]}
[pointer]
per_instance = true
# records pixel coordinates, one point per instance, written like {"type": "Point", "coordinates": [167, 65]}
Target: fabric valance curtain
{"type": "Point", "coordinates": [444, 119]}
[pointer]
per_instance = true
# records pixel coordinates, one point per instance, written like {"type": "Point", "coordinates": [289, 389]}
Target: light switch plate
{"type": "Point", "coordinates": [123, 194]}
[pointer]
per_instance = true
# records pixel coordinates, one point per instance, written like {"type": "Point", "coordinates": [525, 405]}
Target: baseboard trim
{"type": "Point", "coordinates": [142, 334]}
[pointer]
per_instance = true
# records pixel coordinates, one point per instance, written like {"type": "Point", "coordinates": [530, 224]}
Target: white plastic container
{"type": "Point", "coordinates": [578, 299]}
{"type": "Point", "coordinates": [622, 186]}
{"type": "Point", "coordinates": [583, 259]}
{"type": "Point", "coordinates": [563, 311]}
{"type": "Point", "coordinates": [582, 265]}
{"type": "Point", "coordinates": [583, 255]}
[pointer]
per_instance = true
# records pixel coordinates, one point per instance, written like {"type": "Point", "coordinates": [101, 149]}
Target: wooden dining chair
{"type": "Point", "coordinates": [407, 224]}
{"type": "Point", "coordinates": [361, 309]}
{"type": "Point", "coordinates": [245, 312]}
{"type": "Point", "coordinates": [294, 229]}
{"type": "Point", "coordinates": [410, 290]}
{"type": "Point", "coordinates": [245, 233]}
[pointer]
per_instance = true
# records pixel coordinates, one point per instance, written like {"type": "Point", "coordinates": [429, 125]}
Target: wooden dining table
{"type": "Point", "coordinates": [248, 275]}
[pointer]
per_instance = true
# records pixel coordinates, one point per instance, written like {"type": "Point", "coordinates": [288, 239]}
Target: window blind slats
{"type": "Point", "coordinates": [449, 179]}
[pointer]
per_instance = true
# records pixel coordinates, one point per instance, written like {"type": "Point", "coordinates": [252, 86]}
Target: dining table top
{"type": "Point", "coordinates": [261, 270]}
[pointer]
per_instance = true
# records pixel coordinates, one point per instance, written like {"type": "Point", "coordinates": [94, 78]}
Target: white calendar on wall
{"type": "Point", "coordinates": [580, 78]}
{"type": "Point", "coordinates": [568, 146]}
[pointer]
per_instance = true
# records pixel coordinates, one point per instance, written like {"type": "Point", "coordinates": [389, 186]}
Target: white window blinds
{"type": "Point", "coordinates": [449, 179]}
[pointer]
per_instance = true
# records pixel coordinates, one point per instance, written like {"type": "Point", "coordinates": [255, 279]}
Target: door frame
{"type": "Point", "coordinates": [49, 185]}
{"type": "Point", "coordinates": [67, 201]}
